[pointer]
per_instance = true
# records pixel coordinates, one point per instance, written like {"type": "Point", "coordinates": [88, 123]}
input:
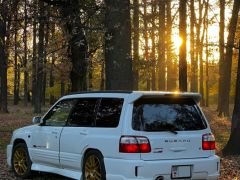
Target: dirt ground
{"type": "Point", "coordinates": [18, 117]}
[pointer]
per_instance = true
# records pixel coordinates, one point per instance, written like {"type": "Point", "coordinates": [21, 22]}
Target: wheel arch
{"type": "Point", "coordinates": [18, 141]}
{"type": "Point", "coordinates": [21, 143]}
{"type": "Point", "coordinates": [101, 162]}
{"type": "Point", "coordinates": [88, 150]}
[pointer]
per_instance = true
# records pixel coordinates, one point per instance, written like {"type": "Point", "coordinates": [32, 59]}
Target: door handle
{"type": "Point", "coordinates": [55, 133]}
{"type": "Point", "coordinates": [83, 133]}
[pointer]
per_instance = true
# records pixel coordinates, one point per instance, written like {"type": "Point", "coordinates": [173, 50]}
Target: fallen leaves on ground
{"type": "Point", "coordinates": [230, 167]}
{"type": "Point", "coordinates": [221, 127]}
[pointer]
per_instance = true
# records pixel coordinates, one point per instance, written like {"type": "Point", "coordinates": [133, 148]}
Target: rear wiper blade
{"type": "Point", "coordinates": [172, 131]}
{"type": "Point", "coordinates": [160, 130]}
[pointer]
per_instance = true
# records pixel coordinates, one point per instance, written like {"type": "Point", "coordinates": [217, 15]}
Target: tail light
{"type": "Point", "coordinates": [208, 142]}
{"type": "Point", "coordinates": [134, 144]}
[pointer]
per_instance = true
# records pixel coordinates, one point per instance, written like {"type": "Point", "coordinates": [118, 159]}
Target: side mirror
{"type": "Point", "coordinates": [36, 120]}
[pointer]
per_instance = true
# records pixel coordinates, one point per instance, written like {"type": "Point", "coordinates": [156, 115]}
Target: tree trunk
{"type": "Point", "coordinates": [221, 51]}
{"type": "Point", "coordinates": [193, 76]}
{"type": "Point", "coordinates": [16, 81]}
{"type": "Point", "coordinates": [102, 84]}
{"type": "Point", "coordinates": [18, 77]}
{"type": "Point", "coordinates": [34, 53]}
{"type": "Point", "coordinates": [90, 74]}
{"type": "Point", "coordinates": [77, 42]}
{"type": "Point", "coordinates": [62, 87]}
{"type": "Point", "coordinates": [201, 82]}
{"type": "Point", "coordinates": [183, 48]}
{"type": "Point", "coordinates": [79, 58]}
{"type": "Point", "coordinates": [38, 98]}
{"type": "Point", "coordinates": [206, 54]}
{"type": "Point", "coordinates": [51, 80]}
{"type": "Point", "coordinates": [25, 54]}
{"type": "Point", "coordinates": [171, 64]}
{"type": "Point", "coordinates": [3, 60]}
{"type": "Point", "coordinates": [117, 51]}
{"type": "Point", "coordinates": [135, 44]}
{"type": "Point", "coordinates": [227, 63]}
{"type": "Point", "coordinates": [161, 46]}
{"type": "Point", "coordinates": [16, 69]}
{"type": "Point", "coordinates": [153, 53]}
{"type": "Point", "coordinates": [78, 46]}
{"type": "Point", "coordinates": [146, 46]}
{"type": "Point", "coordinates": [46, 37]}
{"type": "Point", "coordinates": [198, 41]}
{"type": "Point", "coordinates": [201, 70]}
{"type": "Point", "coordinates": [233, 145]}
{"type": "Point", "coordinates": [51, 77]}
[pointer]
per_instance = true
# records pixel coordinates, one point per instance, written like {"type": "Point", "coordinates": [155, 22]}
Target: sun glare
{"type": "Point", "coordinates": [177, 41]}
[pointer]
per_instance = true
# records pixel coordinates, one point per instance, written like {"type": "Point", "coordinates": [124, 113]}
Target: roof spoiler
{"type": "Point", "coordinates": [137, 95]}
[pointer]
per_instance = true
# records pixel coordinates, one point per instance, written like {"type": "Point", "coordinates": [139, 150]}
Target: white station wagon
{"type": "Point", "coordinates": [118, 136]}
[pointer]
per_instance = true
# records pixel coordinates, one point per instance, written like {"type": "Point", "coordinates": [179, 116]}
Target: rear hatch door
{"type": "Point", "coordinates": [174, 127]}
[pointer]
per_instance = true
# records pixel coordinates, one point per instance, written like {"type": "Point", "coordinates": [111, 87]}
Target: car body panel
{"type": "Point", "coordinates": [60, 150]}
{"type": "Point", "coordinates": [45, 145]}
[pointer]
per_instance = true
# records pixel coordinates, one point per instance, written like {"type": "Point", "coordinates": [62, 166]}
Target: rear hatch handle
{"type": "Point", "coordinates": [178, 149]}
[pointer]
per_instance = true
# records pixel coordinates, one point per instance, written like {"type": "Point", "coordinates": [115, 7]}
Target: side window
{"type": "Point", "coordinates": [109, 112]}
{"type": "Point", "coordinates": [59, 113]}
{"type": "Point", "coordinates": [83, 113]}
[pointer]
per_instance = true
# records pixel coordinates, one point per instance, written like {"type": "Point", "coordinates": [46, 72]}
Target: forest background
{"type": "Point", "coordinates": [49, 48]}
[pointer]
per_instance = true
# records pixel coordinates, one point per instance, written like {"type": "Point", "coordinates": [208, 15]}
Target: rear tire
{"type": "Point", "coordinates": [93, 166]}
{"type": "Point", "coordinates": [21, 162]}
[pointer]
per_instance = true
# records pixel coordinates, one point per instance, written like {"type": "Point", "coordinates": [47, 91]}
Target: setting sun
{"type": "Point", "coordinates": [177, 41]}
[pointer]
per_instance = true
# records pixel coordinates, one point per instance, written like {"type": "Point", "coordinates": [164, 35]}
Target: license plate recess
{"type": "Point", "coordinates": [181, 171]}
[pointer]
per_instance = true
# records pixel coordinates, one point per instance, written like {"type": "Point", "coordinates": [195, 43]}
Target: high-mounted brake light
{"type": "Point", "coordinates": [134, 144]}
{"type": "Point", "coordinates": [208, 142]}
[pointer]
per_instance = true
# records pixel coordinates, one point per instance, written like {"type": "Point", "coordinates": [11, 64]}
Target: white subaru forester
{"type": "Point", "coordinates": [118, 136]}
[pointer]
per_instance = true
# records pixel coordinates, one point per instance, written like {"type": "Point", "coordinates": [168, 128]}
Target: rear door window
{"type": "Point", "coordinates": [83, 113]}
{"type": "Point", "coordinates": [167, 114]}
{"type": "Point", "coordinates": [109, 112]}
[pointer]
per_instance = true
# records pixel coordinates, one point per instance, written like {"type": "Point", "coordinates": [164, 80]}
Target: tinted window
{"type": "Point", "coordinates": [109, 112]}
{"type": "Point", "coordinates": [167, 115]}
{"type": "Point", "coordinates": [83, 113]}
{"type": "Point", "coordinates": [58, 115]}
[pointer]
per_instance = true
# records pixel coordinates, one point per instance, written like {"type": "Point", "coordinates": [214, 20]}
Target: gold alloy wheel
{"type": "Point", "coordinates": [20, 161]}
{"type": "Point", "coordinates": [93, 168]}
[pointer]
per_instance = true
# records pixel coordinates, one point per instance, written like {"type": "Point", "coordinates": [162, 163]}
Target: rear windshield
{"type": "Point", "coordinates": [167, 114]}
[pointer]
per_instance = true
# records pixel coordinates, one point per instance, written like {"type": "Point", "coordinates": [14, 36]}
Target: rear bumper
{"type": "Point", "coordinates": [202, 168]}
